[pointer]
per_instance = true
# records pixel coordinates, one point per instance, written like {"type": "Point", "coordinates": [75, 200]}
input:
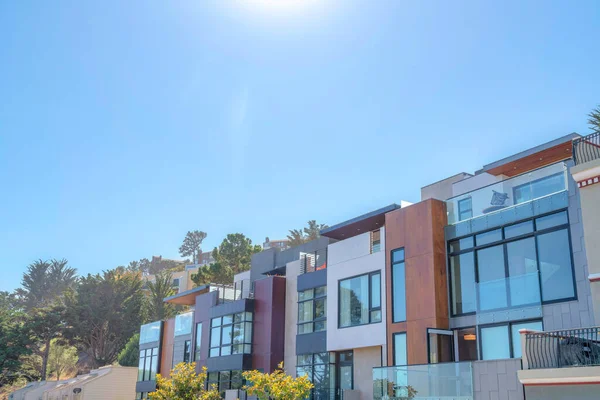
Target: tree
{"type": "Point", "coordinates": [156, 308]}
{"type": "Point", "coordinates": [130, 355]}
{"type": "Point", "coordinates": [15, 339]}
{"type": "Point", "coordinates": [235, 252]}
{"type": "Point", "coordinates": [61, 359]}
{"type": "Point", "coordinates": [184, 384]}
{"type": "Point", "coordinates": [594, 120]}
{"type": "Point", "coordinates": [277, 385]}
{"type": "Point", "coordinates": [103, 313]}
{"type": "Point", "coordinates": [213, 273]}
{"type": "Point", "coordinates": [48, 324]}
{"type": "Point", "coordinates": [192, 245]}
{"type": "Point", "coordinates": [45, 281]}
{"type": "Point", "coordinates": [311, 232]}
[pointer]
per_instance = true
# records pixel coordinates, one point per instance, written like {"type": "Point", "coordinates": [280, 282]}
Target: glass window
{"type": "Point", "coordinates": [467, 344]}
{"type": "Point", "coordinates": [319, 369]}
{"type": "Point", "coordinates": [551, 220]}
{"type": "Point", "coordinates": [148, 364]}
{"type": "Point", "coordinates": [465, 209]}
{"type": "Point", "coordinates": [495, 343]}
{"type": "Point", "coordinates": [462, 275]}
{"type": "Point", "coordinates": [400, 349]}
{"type": "Point", "coordinates": [516, 336]}
{"type": "Point", "coordinates": [150, 332]}
{"type": "Point", "coordinates": [375, 241]}
{"type": "Point", "coordinates": [539, 188]}
{"type": "Point", "coordinates": [398, 285]}
{"type": "Point", "coordinates": [518, 229]}
{"type": "Point", "coordinates": [183, 323]}
{"type": "Point", "coordinates": [522, 269]}
{"type": "Point", "coordinates": [187, 350]}
{"type": "Point", "coordinates": [231, 338]}
{"type": "Point", "coordinates": [312, 310]}
{"type": "Point", "coordinates": [461, 244]}
{"type": "Point", "coordinates": [354, 300]}
{"type": "Point", "coordinates": [555, 265]}
{"type": "Point", "coordinates": [488, 237]}
{"type": "Point", "coordinates": [198, 342]}
{"type": "Point", "coordinates": [492, 278]}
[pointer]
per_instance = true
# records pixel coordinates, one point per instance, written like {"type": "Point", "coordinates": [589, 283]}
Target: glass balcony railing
{"type": "Point", "coordinates": [429, 381]}
{"type": "Point", "coordinates": [508, 193]}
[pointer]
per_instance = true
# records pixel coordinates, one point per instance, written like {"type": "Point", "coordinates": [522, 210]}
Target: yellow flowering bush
{"type": "Point", "coordinates": [184, 384]}
{"type": "Point", "coordinates": [277, 385]}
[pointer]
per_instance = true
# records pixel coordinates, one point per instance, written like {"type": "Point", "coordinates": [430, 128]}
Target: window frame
{"type": "Point", "coordinates": [403, 261]}
{"type": "Point", "coordinates": [470, 209]}
{"type": "Point", "coordinates": [503, 242]}
{"type": "Point", "coordinates": [153, 354]}
{"type": "Point", "coordinates": [372, 241]}
{"type": "Point", "coordinates": [370, 308]}
{"type": "Point", "coordinates": [314, 320]}
{"type": "Point", "coordinates": [514, 189]}
{"type": "Point", "coordinates": [197, 342]}
{"type": "Point", "coordinates": [394, 335]}
{"type": "Point", "coordinates": [187, 351]}
{"type": "Point", "coordinates": [246, 341]}
{"type": "Point", "coordinates": [508, 325]}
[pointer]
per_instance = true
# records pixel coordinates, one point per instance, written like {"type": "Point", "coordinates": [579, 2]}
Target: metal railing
{"type": "Point", "coordinates": [561, 349]}
{"type": "Point", "coordinates": [243, 289]}
{"type": "Point", "coordinates": [314, 261]}
{"type": "Point", "coordinates": [586, 148]}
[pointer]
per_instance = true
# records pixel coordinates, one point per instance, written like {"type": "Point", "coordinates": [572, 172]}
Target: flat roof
{"type": "Point", "coordinates": [361, 224]}
{"type": "Point", "coordinates": [188, 297]}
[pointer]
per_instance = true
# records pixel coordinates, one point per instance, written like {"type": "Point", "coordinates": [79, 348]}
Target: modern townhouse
{"type": "Point", "coordinates": [479, 291]}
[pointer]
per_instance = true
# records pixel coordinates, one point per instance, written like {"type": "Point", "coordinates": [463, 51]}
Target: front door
{"type": "Point", "coordinates": [344, 372]}
{"type": "Point", "coordinates": [441, 345]}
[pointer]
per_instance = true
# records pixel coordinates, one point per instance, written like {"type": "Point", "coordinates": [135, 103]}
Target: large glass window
{"type": "Point", "coordinates": [539, 188]}
{"type": "Point", "coordinates": [225, 380]}
{"type": "Point", "coordinates": [400, 357]}
{"type": "Point", "coordinates": [319, 369]}
{"type": "Point", "coordinates": [148, 364]}
{"type": "Point", "coordinates": [467, 344]}
{"type": "Point", "coordinates": [398, 285]}
{"type": "Point", "coordinates": [504, 341]}
{"type": "Point", "coordinates": [356, 304]}
{"type": "Point", "coordinates": [231, 334]}
{"type": "Point", "coordinates": [150, 332]}
{"type": "Point", "coordinates": [183, 323]}
{"type": "Point", "coordinates": [518, 265]}
{"type": "Point", "coordinates": [312, 310]}
{"type": "Point", "coordinates": [198, 346]}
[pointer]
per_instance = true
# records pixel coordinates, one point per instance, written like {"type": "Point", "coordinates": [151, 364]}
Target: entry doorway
{"type": "Point", "coordinates": [344, 373]}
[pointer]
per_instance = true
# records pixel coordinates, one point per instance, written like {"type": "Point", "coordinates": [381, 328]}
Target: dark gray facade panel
{"type": "Point", "coordinates": [308, 343]}
{"type": "Point", "coordinates": [145, 386]}
{"type": "Point", "coordinates": [533, 208]}
{"type": "Point", "coordinates": [562, 392]}
{"type": "Point", "coordinates": [150, 345]}
{"type": "Point", "coordinates": [232, 362]}
{"type": "Point", "coordinates": [232, 308]}
{"type": "Point", "coordinates": [262, 262]}
{"type": "Point", "coordinates": [312, 280]}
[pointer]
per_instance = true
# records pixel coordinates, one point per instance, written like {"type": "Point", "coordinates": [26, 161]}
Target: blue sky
{"type": "Point", "coordinates": [125, 124]}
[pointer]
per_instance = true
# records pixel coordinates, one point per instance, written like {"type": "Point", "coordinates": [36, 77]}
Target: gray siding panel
{"type": "Point", "coordinates": [312, 280]}
{"type": "Point", "coordinates": [233, 362]}
{"type": "Point", "coordinates": [232, 308]}
{"type": "Point", "coordinates": [497, 379]}
{"type": "Point", "coordinates": [309, 343]}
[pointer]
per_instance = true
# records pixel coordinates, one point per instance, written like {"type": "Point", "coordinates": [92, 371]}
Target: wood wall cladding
{"type": "Point", "coordinates": [418, 228]}
{"type": "Point", "coordinates": [166, 353]}
{"type": "Point", "coordinates": [540, 159]}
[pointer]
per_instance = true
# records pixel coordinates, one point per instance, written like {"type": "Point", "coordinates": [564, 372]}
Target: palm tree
{"type": "Point", "coordinates": [313, 231]}
{"type": "Point", "coordinates": [295, 237]}
{"type": "Point", "coordinates": [594, 120]}
{"type": "Point", "coordinates": [157, 309]}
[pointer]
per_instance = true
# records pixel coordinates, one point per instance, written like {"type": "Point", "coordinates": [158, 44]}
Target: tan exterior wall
{"type": "Point", "coordinates": [364, 360]}
{"type": "Point", "coordinates": [118, 384]}
{"type": "Point", "coordinates": [291, 317]}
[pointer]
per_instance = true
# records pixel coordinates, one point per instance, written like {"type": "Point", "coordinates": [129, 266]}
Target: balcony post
{"type": "Point", "coordinates": [524, 358]}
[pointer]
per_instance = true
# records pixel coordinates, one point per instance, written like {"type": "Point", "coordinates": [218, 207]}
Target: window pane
{"type": "Point", "coordinates": [247, 349]}
{"type": "Point", "coordinates": [400, 349]}
{"type": "Point", "coordinates": [248, 332]}
{"type": "Point", "coordinates": [238, 333]}
{"type": "Point", "coordinates": [488, 237]}
{"type": "Point", "coordinates": [555, 265]}
{"type": "Point", "coordinates": [141, 366]}
{"type": "Point", "coordinates": [183, 323]}
{"type": "Point", "coordinates": [238, 317]}
{"type": "Point", "coordinates": [228, 319]}
{"type": "Point", "coordinates": [215, 337]}
{"type": "Point", "coordinates": [397, 255]}
{"type": "Point", "coordinates": [375, 316]}
{"type": "Point", "coordinates": [198, 342]}
{"type": "Point", "coordinates": [462, 275]}
{"type": "Point", "coordinates": [305, 311]}
{"type": "Point", "coordinates": [492, 278]}
{"type": "Point", "coordinates": [399, 292]}
{"type": "Point", "coordinates": [237, 349]}
{"type": "Point", "coordinates": [216, 322]}
{"type": "Point", "coordinates": [494, 343]}
{"type": "Point", "coordinates": [214, 352]}
{"type": "Point", "coordinates": [304, 359]}
{"type": "Point", "coordinates": [305, 328]}
{"type": "Point", "coordinates": [467, 344]}
{"type": "Point", "coordinates": [227, 334]}
{"type": "Point", "coordinates": [516, 336]}
{"type": "Point", "coordinates": [187, 348]}
{"type": "Point", "coordinates": [375, 290]}
{"type": "Point", "coordinates": [226, 350]}
{"type": "Point", "coordinates": [461, 244]}
{"type": "Point", "coordinates": [321, 291]}
{"type": "Point", "coordinates": [148, 361]}
{"type": "Point", "coordinates": [320, 308]}
{"type": "Point", "coordinates": [523, 272]}
{"type": "Point", "coordinates": [551, 220]}
{"type": "Point", "coordinates": [305, 295]}
{"type": "Point", "coordinates": [465, 209]}
{"type": "Point", "coordinates": [354, 301]}
{"type": "Point", "coordinates": [518, 229]}
{"type": "Point", "coordinates": [320, 326]}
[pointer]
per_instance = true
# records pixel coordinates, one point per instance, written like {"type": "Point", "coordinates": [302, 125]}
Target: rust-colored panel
{"type": "Point", "coordinates": [166, 354]}
{"type": "Point", "coordinates": [540, 159]}
{"type": "Point", "coordinates": [418, 228]}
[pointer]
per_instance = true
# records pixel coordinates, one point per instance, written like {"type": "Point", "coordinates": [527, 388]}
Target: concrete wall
{"type": "Point", "coordinates": [562, 392]}
{"type": "Point", "coordinates": [497, 380]}
{"type": "Point", "coordinates": [118, 384]}
{"type": "Point", "coordinates": [291, 317]}
{"type": "Point", "coordinates": [346, 259]}
{"type": "Point", "coordinates": [364, 360]}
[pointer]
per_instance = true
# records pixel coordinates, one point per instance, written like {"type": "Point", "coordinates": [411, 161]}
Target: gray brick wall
{"type": "Point", "coordinates": [497, 380]}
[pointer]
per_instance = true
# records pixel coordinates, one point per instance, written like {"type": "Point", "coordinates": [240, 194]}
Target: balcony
{"type": "Point", "coordinates": [430, 381]}
{"type": "Point", "coordinates": [239, 290]}
{"type": "Point", "coordinates": [586, 149]}
{"type": "Point", "coordinates": [508, 193]}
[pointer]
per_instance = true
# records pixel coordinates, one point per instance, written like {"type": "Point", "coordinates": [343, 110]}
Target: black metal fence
{"type": "Point", "coordinates": [586, 148]}
{"type": "Point", "coordinates": [560, 349]}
